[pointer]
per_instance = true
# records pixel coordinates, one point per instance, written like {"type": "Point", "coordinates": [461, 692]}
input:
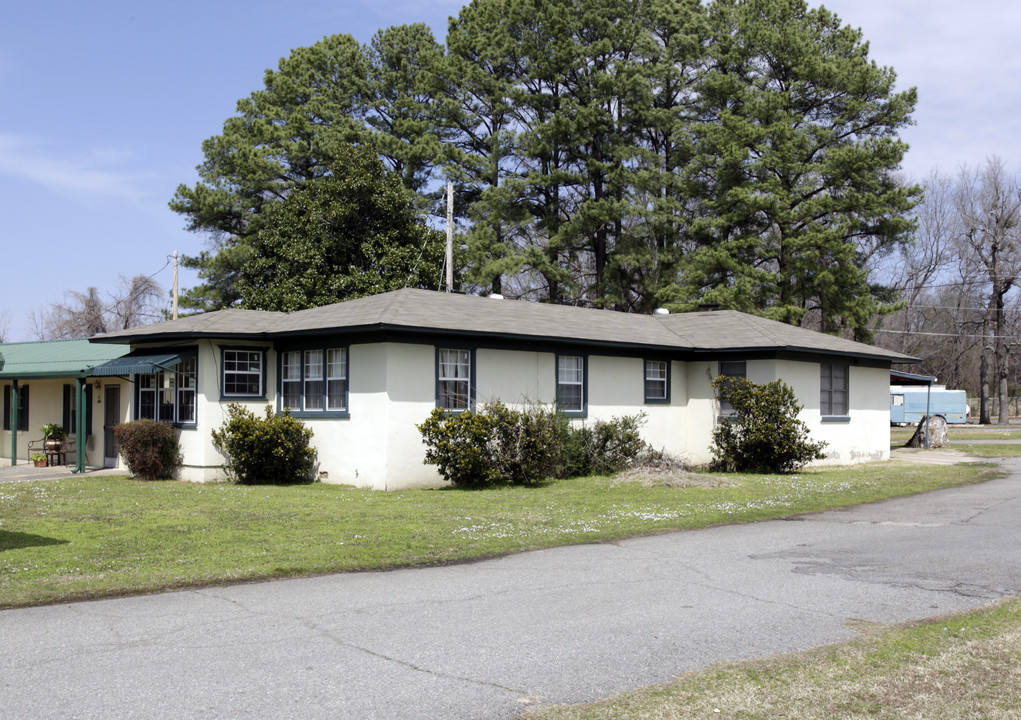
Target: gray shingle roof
{"type": "Point", "coordinates": [427, 311]}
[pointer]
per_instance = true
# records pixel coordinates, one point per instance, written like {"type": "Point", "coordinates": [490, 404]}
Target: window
{"type": "Point", "coordinates": [833, 386]}
{"type": "Point", "coordinates": [336, 379]}
{"type": "Point", "coordinates": [657, 381]}
{"type": "Point", "coordinates": [242, 373]}
{"type": "Point", "coordinates": [571, 384]}
{"type": "Point", "coordinates": [314, 381]}
{"type": "Point", "coordinates": [453, 379]}
{"type": "Point", "coordinates": [734, 369]}
{"type": "Point", "coordinates": [169, 395]}
{"type": "Point", "coordinates": [22, 407]}
{"type": "Point", "coordinates": [313, 394]}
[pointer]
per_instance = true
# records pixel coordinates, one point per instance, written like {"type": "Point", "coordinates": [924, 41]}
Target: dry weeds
{"type": "Point", "coordinates": [969, 667]}
{"type": "Point", "coordinates": [666, 471]}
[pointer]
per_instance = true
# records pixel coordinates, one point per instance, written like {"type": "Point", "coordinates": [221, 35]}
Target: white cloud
{"type": "Point", "coordinates": [90, 177]}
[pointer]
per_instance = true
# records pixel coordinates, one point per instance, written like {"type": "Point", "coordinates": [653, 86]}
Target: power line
{"type": "Point", "coordinates": [936, 334]}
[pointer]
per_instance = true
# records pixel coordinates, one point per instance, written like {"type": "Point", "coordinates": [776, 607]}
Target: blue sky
{"type": "Point", "coordinates": [106, 104]}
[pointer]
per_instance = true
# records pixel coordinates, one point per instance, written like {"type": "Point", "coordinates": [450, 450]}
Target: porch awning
{"type": "Point", "coordinates": [136, 365]}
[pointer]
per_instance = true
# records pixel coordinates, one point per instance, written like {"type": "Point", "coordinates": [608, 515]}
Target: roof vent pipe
{"type": "Point", "coordinates": [660, 311]}
{"type": "Point", "coordinates": [495, 296]}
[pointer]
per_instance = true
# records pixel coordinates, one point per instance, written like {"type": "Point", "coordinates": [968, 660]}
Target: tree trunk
{"type": "Point", "coordinates": [1001, 362]}
{"type": "Point", "coordinates": [983, 376]}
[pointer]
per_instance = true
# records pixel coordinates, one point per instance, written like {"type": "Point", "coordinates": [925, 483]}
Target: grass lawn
{"type": "Point", "coordinates": [953, 668]}
{"type": "Point", "coordinates": [83, 537]}
{"type": "Point", "coordinates": [989, 451]}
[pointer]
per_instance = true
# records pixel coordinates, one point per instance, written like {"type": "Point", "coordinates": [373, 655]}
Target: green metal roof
{"type": "Point", "coordinates": [136, 364]}
{"type": "Point", "coordinates": [55, 358]}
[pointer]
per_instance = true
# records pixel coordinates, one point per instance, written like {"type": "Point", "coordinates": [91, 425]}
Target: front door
{"type": "Point", "coordinates": [111, 416]}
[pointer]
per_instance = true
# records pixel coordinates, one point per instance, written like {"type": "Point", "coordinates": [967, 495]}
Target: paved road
{"type": "Point", "coordinates": [485, 640]}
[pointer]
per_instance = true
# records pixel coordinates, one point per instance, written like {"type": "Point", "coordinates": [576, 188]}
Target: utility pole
{"type": "Point", "coordinates": [450, 237]}
{"type": "Point", "coordinates": [175, 284]}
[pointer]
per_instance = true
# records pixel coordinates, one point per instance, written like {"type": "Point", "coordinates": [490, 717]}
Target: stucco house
{"type": "Point", "coordinates": [51, 382]}
{"type": "Point", "coordinates": [363, 373]}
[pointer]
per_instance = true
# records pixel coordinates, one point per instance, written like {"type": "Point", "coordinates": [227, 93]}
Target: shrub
{"type": "Point", "coordinates": [460, 445]}
{"type": "Point", "coordinates": [608, 447]}
{"type": "Point", "coordinates": [579, 447]}
{"type": "Point", "coordinates": [764, 435]}
{"type": "Point", "coordinates": [618, 444]}
{"type": "Point", "coordinates": [494, 445]}
{"type": "Point", "coordinates": [497, 444]}
{"type": "Point", "coordinates": [527, 446]}
{"type": "Point", "coordinates": [274, 449]}
{"type": "Point", "coordinates": [150, 448]}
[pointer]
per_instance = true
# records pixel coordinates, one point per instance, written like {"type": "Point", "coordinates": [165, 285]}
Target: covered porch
{"type": "Point", "coordinates": [51, 383]}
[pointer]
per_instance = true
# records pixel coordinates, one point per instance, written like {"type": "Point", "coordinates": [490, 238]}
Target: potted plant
{"type": "Point", "coordinates": [53, 435]}
{"type": "Point", "coordinates": [39, 459]}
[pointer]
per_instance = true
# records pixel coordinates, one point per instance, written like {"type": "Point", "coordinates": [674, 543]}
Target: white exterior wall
{"type": "Point", "coordinates": [202, 462]}
{"type": "Point", "coordinates": [702, 411]}
{"type": "Point", "coordinates": [863, 438]}
{"type": "Point", "coordinates": [515, 377]}
{"type": "Point", "coordinates": [616, 387]}
{"type": "Point", "coordinates": [392, 388]}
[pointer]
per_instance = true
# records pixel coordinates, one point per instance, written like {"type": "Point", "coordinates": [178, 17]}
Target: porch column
{"type": "Point", "coordinates": [15, 397]}
{"type": "Point", "coordinates": [79, 399]}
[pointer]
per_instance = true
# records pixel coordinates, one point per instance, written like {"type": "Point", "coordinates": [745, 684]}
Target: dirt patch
{"type": "Point", "coordinates": [933, 456]}
{"type": "Point", "coordinates": [670, 472]}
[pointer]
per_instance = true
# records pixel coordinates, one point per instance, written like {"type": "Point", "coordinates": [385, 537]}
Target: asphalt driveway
{"type": "Point", "coordinates": [485, 640]}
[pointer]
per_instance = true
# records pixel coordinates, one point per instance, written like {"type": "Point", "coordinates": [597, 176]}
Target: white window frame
{"type": "Point", "coordinates": [656, 379]}
{"type": "Point", "coordinates": [291, 375]}
{"type": "Point", "coordinates": [306, 376]}
{"type": "Point", "coordinates": [251, 357]}
{"type": "Point", "coordinates": [172, 384]}
{"type": "Point", "coordinates": [571, 373]}
{"type": "Point", "coordinates": [461, 361]}
{"type": "Point", "coordinates": [734, 369]}
{"type": "Point", "coordinates": [336, 372]}
{"type": "Point", "coordinates": [313, 382]}
{"type": "Point", "coordinates": [827, 407]}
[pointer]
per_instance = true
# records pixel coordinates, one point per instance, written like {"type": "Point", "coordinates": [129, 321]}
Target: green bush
{"type": "Point", "coordinates": [579, 448]}
{"type": "Point", "coordinates": [526, 444]}
{"type": "Point", "coordinates": [460, 445]}
{"type": "Point", "coordinates": [262, 451]}
{"type": "Point", "coordinates": [618, 444]}
{"type": "Point", "coordinates": [764, 435]}
{"type": "Point", "coordinates": [498, 445]}
{"type": "Point", "coordinates": [150, 448]}
{"type": "Point", "coordinates": [608, 447]}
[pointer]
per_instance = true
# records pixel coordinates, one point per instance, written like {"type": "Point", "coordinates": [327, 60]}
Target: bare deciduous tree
{"type": "Point", "coordinates": [5, 325]}
{"type": "Point", "coordinates": [988, 202]}
{"type": "Point", "coordinates": [138, 301]}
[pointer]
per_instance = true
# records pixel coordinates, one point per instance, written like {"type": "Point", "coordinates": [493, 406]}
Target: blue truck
{"type": "Point", "coordinates": [908, 404]}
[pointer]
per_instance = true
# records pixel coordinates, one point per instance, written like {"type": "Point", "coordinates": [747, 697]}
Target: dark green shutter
{"type": "Point", "coordinates": [7, 407]}
{"type": "Point", "coordinates": [68, 399]}
{"type": "Point", "coordinates": [23, 408]}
